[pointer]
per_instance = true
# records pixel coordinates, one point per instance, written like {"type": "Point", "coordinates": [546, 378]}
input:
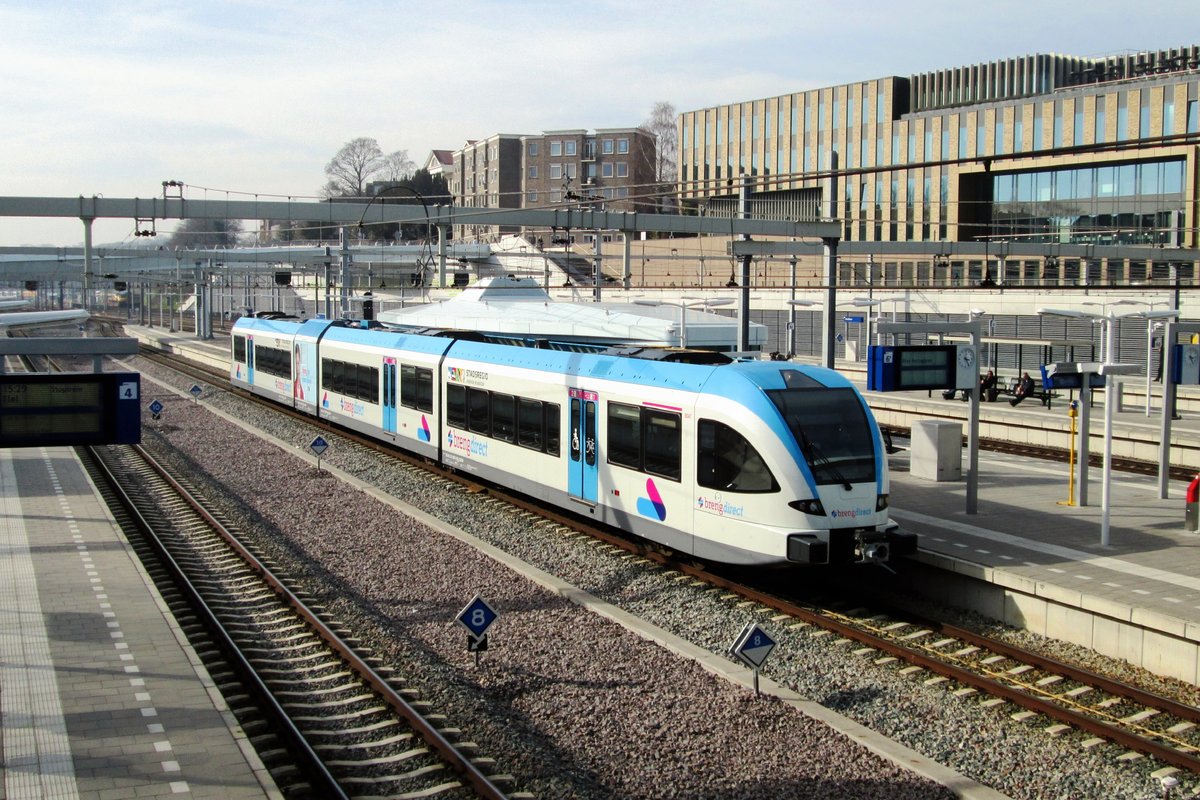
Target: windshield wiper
{"type": "Point", "coordinates": [818, 459]}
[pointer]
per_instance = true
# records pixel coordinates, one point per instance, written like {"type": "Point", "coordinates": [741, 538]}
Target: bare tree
{"type": "Point", "coordinates": [661, 123]}
{"type": "Point", "coordinates": [355, 164]}
{"type": "Point", "coordinates": [397, 166]}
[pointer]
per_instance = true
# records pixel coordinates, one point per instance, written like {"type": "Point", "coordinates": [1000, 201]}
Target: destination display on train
{"type": "Point", "coordinates": [39, 409]}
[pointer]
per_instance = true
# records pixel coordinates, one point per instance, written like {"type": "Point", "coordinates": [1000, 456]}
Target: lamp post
{"type": "Point", "coordinates": [867, 302]}
{"type": "Point", "coordinates": [1153, 323]}
{"type": "Point", "coordinates": [793, 304]}
{"type": "Point", "coordinates": [697, 302]}
{"type": "Point", "coordinates": [1105, 314]}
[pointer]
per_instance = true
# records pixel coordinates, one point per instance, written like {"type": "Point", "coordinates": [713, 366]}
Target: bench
{"type": "Point", "coordinates": [1043, 394]}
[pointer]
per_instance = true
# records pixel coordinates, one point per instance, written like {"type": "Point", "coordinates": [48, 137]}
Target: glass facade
{"type": "Point", "coordinates": [1118, 204]}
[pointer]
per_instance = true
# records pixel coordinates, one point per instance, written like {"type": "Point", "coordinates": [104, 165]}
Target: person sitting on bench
{"type": "Point", "coordinates": [987, 387]}
{"type": "Point", "coordinates": [1024, 388]}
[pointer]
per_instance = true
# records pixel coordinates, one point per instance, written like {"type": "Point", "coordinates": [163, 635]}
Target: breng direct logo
{"type": "Point", "coordinates": [852, 513]}
{"type": "Point", "coordinates": [466, 444]}
{"type": "Point", "coordinates": [721, 508]}
{"type": "Point", "coordinates": [423, 431]}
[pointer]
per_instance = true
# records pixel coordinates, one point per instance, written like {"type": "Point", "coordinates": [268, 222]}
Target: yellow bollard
{"type": "Point", "coordinates": [1070, 501]}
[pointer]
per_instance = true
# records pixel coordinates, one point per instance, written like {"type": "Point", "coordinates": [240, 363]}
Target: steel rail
{"type": "Point", "coordinates": [312, 764]}
{"type": "Point", "coordinates": [430, 734]}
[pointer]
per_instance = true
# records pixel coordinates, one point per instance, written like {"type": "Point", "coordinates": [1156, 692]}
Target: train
{"type": "Point", "coordinates": [756, 463]}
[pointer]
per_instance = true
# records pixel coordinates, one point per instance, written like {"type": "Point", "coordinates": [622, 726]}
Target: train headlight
{"type": "Point", "coordinates": [881, 502]}
{"type": "Point", "coordinates": [812, 507]}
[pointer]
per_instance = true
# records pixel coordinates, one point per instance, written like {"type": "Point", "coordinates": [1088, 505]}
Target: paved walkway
{"type": "Point", "coordinates": [100, 696]}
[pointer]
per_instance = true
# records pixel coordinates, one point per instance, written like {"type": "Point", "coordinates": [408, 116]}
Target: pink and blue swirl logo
{"type": "Point", "coordinates": [652, 505]}
{"type": "Point", "coordinates": [423, 431]}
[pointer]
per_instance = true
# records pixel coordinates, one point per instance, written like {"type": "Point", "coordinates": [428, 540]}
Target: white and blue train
{"type": "Point", "coordinates": [756, 463]}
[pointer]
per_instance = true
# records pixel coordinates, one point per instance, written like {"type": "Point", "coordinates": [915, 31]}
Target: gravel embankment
{"type": "Point", "coordinates": [576, 706]}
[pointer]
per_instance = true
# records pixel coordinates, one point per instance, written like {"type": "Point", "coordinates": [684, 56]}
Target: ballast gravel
{"type": "Point", "coordinates": [570, 704]}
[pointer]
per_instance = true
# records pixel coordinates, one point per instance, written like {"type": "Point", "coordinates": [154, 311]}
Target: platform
{"type": "Point", "coordinates": [100, 695]}
{"type": "Point", "coordinates": [1028, 559]}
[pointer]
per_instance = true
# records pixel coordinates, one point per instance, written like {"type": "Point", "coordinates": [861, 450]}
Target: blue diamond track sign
{"type": "Point", "coordinates": [753, 645]}
{"type": "Point", "coordinates": [477, 617]}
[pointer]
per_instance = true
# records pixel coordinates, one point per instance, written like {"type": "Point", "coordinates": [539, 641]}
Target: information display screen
{"type": "Point", "coordinates": [38, 409]}
{"type": "Point", "coordinates": [924, 368]}
{"type": "Point", "coordinates": [906, 367]}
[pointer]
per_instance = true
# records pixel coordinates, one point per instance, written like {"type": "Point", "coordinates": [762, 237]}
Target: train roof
{"type": "Point", "coordinates": [712, 377]}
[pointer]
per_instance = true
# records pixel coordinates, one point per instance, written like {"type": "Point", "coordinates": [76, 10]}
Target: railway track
{"type": "Point", "coordinates": [965, 662]}
{"type": "Point", "coordinates": [332, 722]}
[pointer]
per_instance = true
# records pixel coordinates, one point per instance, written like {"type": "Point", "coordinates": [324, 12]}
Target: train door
{"type": "Point", "coordinates": [250, 360]}
{"type": "Point", "coordinates": [583, 450]}
{"type": "Point", "coordinates": [389, 395]}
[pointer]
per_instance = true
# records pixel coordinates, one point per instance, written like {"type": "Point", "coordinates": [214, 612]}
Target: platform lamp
{"type": "Point", "coordinates": [793, 305]}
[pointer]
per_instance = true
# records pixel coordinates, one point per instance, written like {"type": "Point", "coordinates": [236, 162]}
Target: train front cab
{"type": "Point", "coordinates": [824, 498]}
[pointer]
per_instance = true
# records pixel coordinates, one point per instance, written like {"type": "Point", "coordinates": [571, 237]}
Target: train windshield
{"type": "Point", "coordinates": [831, 428]}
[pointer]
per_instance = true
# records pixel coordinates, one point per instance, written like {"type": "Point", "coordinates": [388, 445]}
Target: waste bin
{"type": "Point", "coordinates": [1191, 514]}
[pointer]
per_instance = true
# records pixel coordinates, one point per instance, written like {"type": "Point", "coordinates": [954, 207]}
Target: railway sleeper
{"type": "Point", "coordinates": [345, 701]}
{"type": "Point", "coordinates": [360, 714]}
{"type": "Point", "coordinates": [388, 742]}
{"type": "Point", "coordinates": [340, 732]}
{"type": "Point", "coordinates": [378, 761]}
{"type": "Point", "coordinates": [288, 679]}
{"type": "Point", "coordinates": [349, 687]}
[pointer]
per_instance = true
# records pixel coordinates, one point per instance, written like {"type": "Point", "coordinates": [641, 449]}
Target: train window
{"type": "Point", "coordinates": [273, 361]}
{"type": "Point", "coordinates": [552, 423]}
{"type": "Point", "coordinates": [625, 435]}
{"type": "Point", "coordinates": [239, 349]}
{"type": "Point", "coordinates": [478, 420]}
{"type": "Point", "coordinates": [424, 389]}
{"type": "Point", "coordinates": [725, 460]}
{"type": "Point", "coordinates": [661, 443]}
{"type": "Point", "coordinates": [504, 417]}
{"type": "Point", "coordinates": [416, 387]}
{"type": "Point", "coordinates": [331, 375]}
{"type": "Point", "coordinates": [832, 431]}
{"type": "Point", "coordinates": [589, 432]}
{"type": "Point", "coordinates": [529, 424]}
{"type": "Point", "coordinates": [366, 383]}
{"type": "Point", "coordinates": [408, 386]}
{"type": "Point", "coordinates": [351, 380]}
{"type": "Point", "coordinates": [456, 406]}
{"type": "Point", "coordinates": [576, 421]}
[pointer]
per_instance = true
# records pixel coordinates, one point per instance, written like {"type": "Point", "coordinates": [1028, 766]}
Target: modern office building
{"type": "Point", "coordinates": [1049, 149]}
{"type": "Point", "coordinates": [611, 168]}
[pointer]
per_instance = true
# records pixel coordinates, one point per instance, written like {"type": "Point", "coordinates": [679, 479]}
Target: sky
{"type": "Point", "coordinates": [245, 99]}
